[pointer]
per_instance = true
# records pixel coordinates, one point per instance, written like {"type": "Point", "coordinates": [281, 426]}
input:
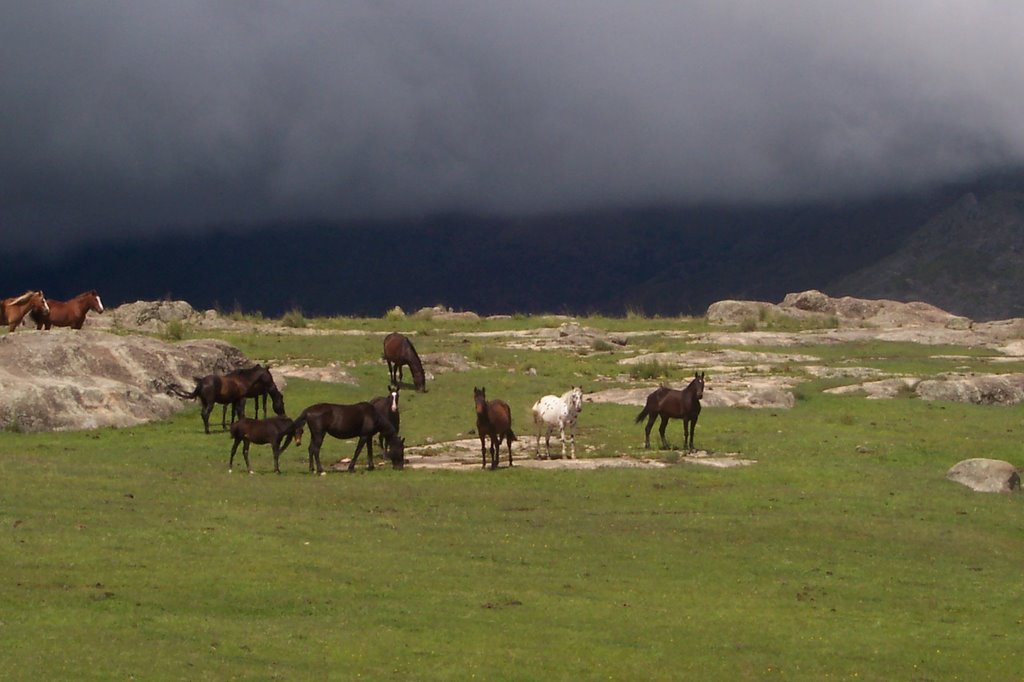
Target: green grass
{"type": "Point", "coordinates": [842, 554]}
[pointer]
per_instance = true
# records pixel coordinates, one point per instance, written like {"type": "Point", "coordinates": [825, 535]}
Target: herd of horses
{"type": "Point", "coordinates": [46, 313]}
{"type": "Point", "coordinates": [364, 420]}
{"type": "Point", "coordinates": [380, 417]}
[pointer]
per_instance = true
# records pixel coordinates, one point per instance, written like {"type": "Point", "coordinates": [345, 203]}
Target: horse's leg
{"type": "Point", "coordinates": [647, 430]}
{"type": "Point", "coordinates": [561, 434]}
{"type": "Point", "coordinates": [231, 460]}
{"type": "Point", "coordinates": [205, 413]}
{"type": "Point", "coordinates": [661, 430]}
{"type": "Point", "coordinates": [359, 448]}
{"type": "Point", "coordinates": [276, 448]}
{"type": "Point", "coordinates": [693, 428]}
{"type": "Point", "coordinates": [315, 441]}
{"type": "Point", "coordinates": [245, 453]}
{"type": "Point", "coordinates": [495, 449]}
{"type": "Point", "coordinates": [224, 416]}
{"type": "Point", "coordinates": [508, 443]}
{"type": "Point", "coordinates": [483, 448]}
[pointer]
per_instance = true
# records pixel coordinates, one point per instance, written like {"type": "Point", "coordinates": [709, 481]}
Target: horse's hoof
{"type": "Point", "coordinates": [229, 471]}
{"type": "Point", "coordinates": [322, 473]}
{"type": "Point", "coordinates": [251, 472]}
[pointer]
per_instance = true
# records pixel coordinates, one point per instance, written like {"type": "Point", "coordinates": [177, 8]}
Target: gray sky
{"type": "Point", "coordinates": [134, 116]}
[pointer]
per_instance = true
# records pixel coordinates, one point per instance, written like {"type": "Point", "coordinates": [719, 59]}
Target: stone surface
{"type": "Point", "coordinates": [985, 475]}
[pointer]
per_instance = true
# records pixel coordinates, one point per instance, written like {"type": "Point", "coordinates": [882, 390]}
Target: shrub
{"type": "Point", "coordinates": [647, 370]}
{"type": "Point", "coordinates": [294, 318]}
{"type": "Point", "coordinates": [748, 324]}
{"type": "Point", "coordinates": [174, 330]}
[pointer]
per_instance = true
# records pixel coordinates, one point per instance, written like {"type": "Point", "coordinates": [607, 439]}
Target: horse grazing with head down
{"type": "Point", "coordinates": [669, 403]}
{"type": "Point", "coordinates": [494, 420]}
{"type": "Point", "coordinates": [68, 313]}
{"type": "Point", "coordinates": [13, 310]}
{"type": "Point", "coordinates": [399, 351]}
{"type": "Point", "coordinates": [558, 412]}
{"type": "Point", "coordinates": [347, 421]}
{"type": "Point", "coordinates": [271, 431]}
{"type": "Point", "coordinates": [231, 389]}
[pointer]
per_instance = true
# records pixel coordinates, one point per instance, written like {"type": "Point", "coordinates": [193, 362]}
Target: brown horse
{"type": "Point", "coordinates": [493, 419]}
{"type": "Point", "coordinates": [399, 351]}
{"type": "Point", "coordinates": [13, 310]}
{"type": "Point", "coordinates": [348, 421]}
{"type": "Point", "coordinates": [261, 384]}
{"type": "Point", "coordinates": [669, 403]}
{"type": "Point", "coordinates": [231, 389]}
{"type": "Point", "coordinates": [269, 431]}
{"type": "Point", "coordinates": [68, 313]}
{"type": "Point", "coordinates": [387, 407]}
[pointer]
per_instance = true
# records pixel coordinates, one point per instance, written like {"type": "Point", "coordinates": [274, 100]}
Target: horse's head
{"type": "Point", "coordinates": [396, 452]}
{"type": "Point", "coordinates": [38, 303]}
{"type": "Point", "coordinates": [95, 304]}
{"type": "Point", "coordinates": [297, 436]}
{"type": "Point", "coordinates": [576, 399]}
{"type": "Point", "coordinates": [697, 385]}
{"type": "Point", "coordinates": [277, 400]}
{"type": "Point", "coordinates": [480, 398]}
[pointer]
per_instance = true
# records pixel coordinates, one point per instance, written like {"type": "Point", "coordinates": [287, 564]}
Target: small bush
{"type": "Point", "coordinates": [602, 345]}
{"type": "Point", "coordinates": [647, 370]}
{"type": "Point", "coordinates": [175, 330]}
{"type": "Point", "coordinates": [294, 318]}
{"type": "Point", "coordinates": [395, 313]}
{"type": "Point", "coordinates": [748, 324]}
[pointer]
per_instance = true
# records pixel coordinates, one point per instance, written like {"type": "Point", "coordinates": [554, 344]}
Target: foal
{"type": "Point", "coordinates": [494, 419]}
{"type": "Point", "coordinates": [269, 431]}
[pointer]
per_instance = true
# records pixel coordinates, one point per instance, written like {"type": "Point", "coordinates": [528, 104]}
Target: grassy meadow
{"type": "Point", "coordinates": [843, 553]}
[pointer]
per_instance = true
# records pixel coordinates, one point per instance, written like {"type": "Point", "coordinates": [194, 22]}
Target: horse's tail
{"type": "Point", "coordinates": [294, 428]}
{"type": "Point", "coordinates": [180, 392]}
{"type": "Point", "coordinates": [510, 436]}
{"type": "Point", "coordinates": [643, 415]}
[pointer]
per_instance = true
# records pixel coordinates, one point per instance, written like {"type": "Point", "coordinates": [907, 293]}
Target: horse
{"type": "Point", "coordinates": [347, 421]}
{"type": "Point", "coordinates": [13, 310]}
{"type": "Point", "coordinates": [231, 389]}
{"type": "Point", "coordinates": [493, 419]}
{"type": "Point", "coordinates": [399, 351]}
{"type": "Point", "coordinates": [68, 313]}
{"type": "Point", "coordinates": [270, 431]}
{"type": "Point", "coordinates": [261, 384]}
{"type": "Point", "coordinates": [670, 403]}
{"type": "Point", "coordinates": [387, 407]}
{"type": "Point", "coordinates": [558, 412]}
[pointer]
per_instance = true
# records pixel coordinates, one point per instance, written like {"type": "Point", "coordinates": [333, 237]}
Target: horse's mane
{"type": "Point", "coordinates": [25, 296]}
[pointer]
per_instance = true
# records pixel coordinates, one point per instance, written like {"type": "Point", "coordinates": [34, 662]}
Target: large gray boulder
{"type": "Point", "coordinates": [985, 475]}
{"type": "Point", "coordinates": [69, 380]}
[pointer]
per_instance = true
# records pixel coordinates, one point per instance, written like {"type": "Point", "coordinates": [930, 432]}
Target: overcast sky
{"type": "Point", "coordinates": [135, 116]}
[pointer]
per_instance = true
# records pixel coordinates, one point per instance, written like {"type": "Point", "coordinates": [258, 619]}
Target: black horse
{"type": "Point", "coordinates": [669, 403]}
{"type": "Point", "coordinates": [387, 408]}
{"type": "Point", "coordinates": [399, 351]}
{"type": "Point", "coordinates": [347, 421]}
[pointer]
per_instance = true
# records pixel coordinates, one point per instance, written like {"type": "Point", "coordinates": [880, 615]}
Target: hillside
{"type": "Point", "coordinates": [957, 247]}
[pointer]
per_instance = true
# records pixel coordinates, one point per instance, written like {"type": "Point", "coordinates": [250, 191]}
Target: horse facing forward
{"type": "Point", "coordinates": [13, 310]}
{"type": "Point", "coordinates": [669, 403]}
{"type": "Point", "coordinates": [399, 351]}
{"type": "Point", "coordinates": [347, 421]}
{"type": "Point", "coordinates": [494, 420]}
{"type": "Point", "coordinates": [387, 408]}
{"type": "Point", "coordinates": [68, 313]}
{"type": "Point", "coordinates": [558, 412]}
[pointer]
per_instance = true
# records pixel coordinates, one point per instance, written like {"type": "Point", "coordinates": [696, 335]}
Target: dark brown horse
{"type": "Point", "coordinates": [399, 351]}
{"type": "Point", "coordinates": [231, 389]}
{"type": "Point", "coordinates": [669, 403]}
{"type": "Point", "coordinates": [13, 310]}
{"type": "Point", "coordinates": [68, 313]}
{"type": "Point", "coordinates": [269, 431]}
{"type": "Point", "coordinates": [261, 385]}
{"type": "Point", "coordinates": [494, 420]}
{"type": "Point", "coordinates": [348, 421]}
{"type": "Point", "coordinates": [387, 407]}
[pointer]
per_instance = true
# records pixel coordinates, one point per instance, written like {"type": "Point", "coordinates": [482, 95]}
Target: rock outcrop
{"type": "Point", "coordinates": [69, 380]}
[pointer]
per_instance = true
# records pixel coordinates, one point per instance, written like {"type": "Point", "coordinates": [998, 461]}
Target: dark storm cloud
{"type": "Point", "coordinates": [145, 115]}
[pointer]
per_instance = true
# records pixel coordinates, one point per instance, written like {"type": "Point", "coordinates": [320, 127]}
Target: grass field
{"type": "Point", "coordinates": [843, 553]}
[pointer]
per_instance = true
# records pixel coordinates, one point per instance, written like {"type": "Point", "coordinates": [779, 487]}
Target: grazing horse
{"type": "Point", "coordinates": [261, 384]}
{"type": "Point", "coordinates": [558, 412]}
{"type": "Point", "coordinates": [347, 421]}
{"type": "Point", "coordinates": [13, 310]}
{"type": "Point", "coordinates": [68, 313]}
{"type": "Point", "coordinates": [493, 419]}
{"type": "Point", "coordinates": [269, 431]}
{"type": "Point", "coordinates": [230, 389]}
{"type": "Point", "coordinates": [387, 408]}
{"type": "Point", "coordinates": [669, 403]}
{"type": "Point", "coordinates": [399, 351]}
